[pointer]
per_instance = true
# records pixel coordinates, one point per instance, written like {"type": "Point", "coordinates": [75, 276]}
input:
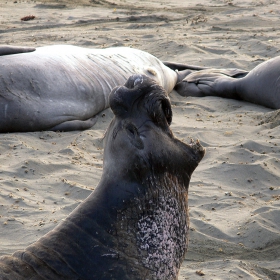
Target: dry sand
{"type": "Point", "coordinates": [234, 195]}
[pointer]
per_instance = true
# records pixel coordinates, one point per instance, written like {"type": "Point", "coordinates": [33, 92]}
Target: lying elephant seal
{"type": "Point", "coordinates": [260, 86]}
{"type": "Point", "coordinates": [63, 87]}
{"type": "Point", "coordinates": [135, 224]}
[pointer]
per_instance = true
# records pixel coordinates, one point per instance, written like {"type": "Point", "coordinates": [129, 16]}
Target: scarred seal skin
{"type": "Point", "coordinates": [135, 224]}
{"type": "Point", "coordinates": [261, 85]}
{"type": "Point", "coordinates": [64, 87]}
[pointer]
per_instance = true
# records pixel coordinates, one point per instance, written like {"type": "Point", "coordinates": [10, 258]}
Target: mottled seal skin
{"type": "Point", "coordinates": [64, 87]}
{"type": "Point", "coordinates": [260, 85]}
{"type": "Point", "coordinates": [135, 224]}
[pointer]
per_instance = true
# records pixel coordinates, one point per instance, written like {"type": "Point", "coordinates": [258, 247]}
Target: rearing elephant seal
{"type": "Point", "coordinates": [63, 87]}
{"type": "Point", "coordinates": [135, 224]}
{"type": "Point", "coordinates": [260, 86]}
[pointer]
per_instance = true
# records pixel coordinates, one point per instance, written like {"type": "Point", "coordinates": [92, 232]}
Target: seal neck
{"type": "Point", "coordinates": [153, 226]}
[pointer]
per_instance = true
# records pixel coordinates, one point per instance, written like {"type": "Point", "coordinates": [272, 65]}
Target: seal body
{"type": "Point", "coordinates": [135, 223]}
{"type": "Point", "coordinates": [261, 85]}
{"type": "Point", "coordinates": [64, 87]}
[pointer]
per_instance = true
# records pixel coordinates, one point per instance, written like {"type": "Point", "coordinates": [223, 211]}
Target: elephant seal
{"type": "Point", "coordinates": [261, 85]}
{"type": "Point", "coordinates": [135, 224]}
{"type": "Point", "coordinates": [63, 87]}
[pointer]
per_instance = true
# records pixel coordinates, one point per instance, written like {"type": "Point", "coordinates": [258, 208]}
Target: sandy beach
{"type": "Point", "coordinates": [234, 195]}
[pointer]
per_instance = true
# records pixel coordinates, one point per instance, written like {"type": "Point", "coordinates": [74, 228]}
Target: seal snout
{"type": "Point", "coordinates": [122, 97]}
{"type": "Point", "coordinates": [141, 92]}
{"type": "Point", "coordinates": [135, 80]}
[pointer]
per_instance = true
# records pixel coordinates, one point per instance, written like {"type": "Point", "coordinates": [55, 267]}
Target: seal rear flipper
{"type": "Point", "coordinates": [7, 50]}
{"type": "Point", "coordinates": [185, 88]}
{"type": "Point", "coordinates": [200, 83]}
{"type": "Point", "coordinates": [179, 66]}
{"type": "Point", "coordinates": [211, 82]}
{"type": "Point", "coordinates": [75, 125]}
{"type": "Point", "coordinates": [230, 72]}
{"type": "Point", "coordinates": [184, 70]}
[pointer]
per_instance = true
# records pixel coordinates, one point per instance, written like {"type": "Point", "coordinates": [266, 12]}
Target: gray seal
{"type": "Point", "coordinates": [261, 85]}
{"type": "Point", "coordinates": [64, 87]}
{"type": "Point", "coordinates": [135, 225]}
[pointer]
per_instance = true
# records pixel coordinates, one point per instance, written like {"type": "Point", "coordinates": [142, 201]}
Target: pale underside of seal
{"type": "Point", "coordinates": [135, 223]}
{"type": "Point", "coordinates": [261, 85]}
{"type": "Point", "coordinates": [64, 87]}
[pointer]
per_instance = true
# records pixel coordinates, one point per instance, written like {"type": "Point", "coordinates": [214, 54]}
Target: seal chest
{"type": "Point", "coordinates": [157, 226]}
{"type": "Point", "coordinates": [162, 233]}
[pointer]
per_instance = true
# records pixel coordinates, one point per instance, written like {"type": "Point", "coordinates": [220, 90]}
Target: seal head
{"type": "Point", "coordinates": [143, 116]}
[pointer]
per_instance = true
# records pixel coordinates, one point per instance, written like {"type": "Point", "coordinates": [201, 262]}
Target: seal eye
{"type": "Point", "coordinates": [134, 136]}
{"type": "Point", "coordinates": [132, 129]}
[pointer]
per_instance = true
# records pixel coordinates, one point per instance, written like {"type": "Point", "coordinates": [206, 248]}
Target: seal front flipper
{"type": "Point", "coordinates": [7, 50]}
{"type": "Point", "coordinates": [75, 125]}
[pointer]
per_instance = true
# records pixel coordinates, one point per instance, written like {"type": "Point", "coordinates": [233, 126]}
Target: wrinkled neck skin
{"type": "Point", "coordinates": [161, 227]}
{"type": "Point", "coordinates": [152, 224]}
{"type": "Point", "coordinates": [145, 220]}
{"type": "Point", "coordinates": [151, 205]}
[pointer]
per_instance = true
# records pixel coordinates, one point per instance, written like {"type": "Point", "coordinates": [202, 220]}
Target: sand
{"type": "Point", "coordinates": [234, 195]}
